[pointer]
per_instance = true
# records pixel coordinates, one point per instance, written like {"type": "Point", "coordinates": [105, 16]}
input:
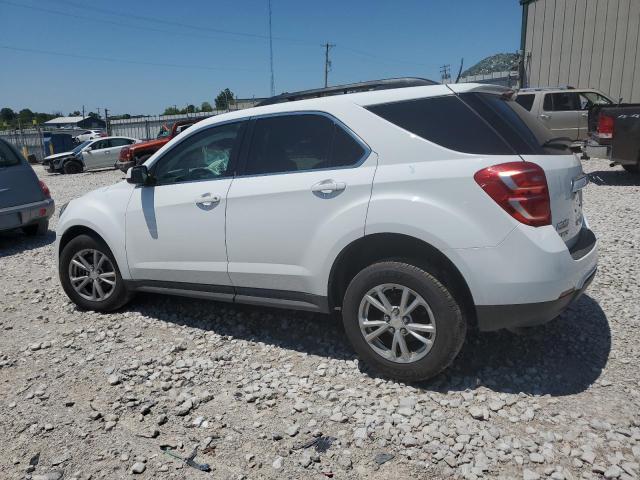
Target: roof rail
{"type": "Point", "coordinates": [541, 89]}
{"type": "Point", "coordinates": [350, 88]}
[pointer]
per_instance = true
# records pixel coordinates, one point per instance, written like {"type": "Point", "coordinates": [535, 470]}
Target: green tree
{"type": "Point", "coordinates": [75, 113]}
{"type": "Point", "coordinates": [171, 111]}
{"type": "Point", "coordinates": [224, 99]}
{"type": "Point", "coordinates": [206, 107]}
{"type": "Point", "coordinates": [191, 109]}
{"type": "Point", "coordinates": [7, 115]}
{"type": "Point", "coordinates": [25, 116]}
{"type": "Point", "coordinates": [93, 115]}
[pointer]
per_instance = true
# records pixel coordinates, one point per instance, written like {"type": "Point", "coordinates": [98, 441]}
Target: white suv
{"type": "Point", "coordinates": [416, 213]}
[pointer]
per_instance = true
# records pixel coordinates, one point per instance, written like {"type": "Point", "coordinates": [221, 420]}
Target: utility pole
{"type": "Point", "coordinates": [106, 120]}
{"type": "Point", "coordinates": [82, 111]}
{"type": "Point", "coordinates": [445, 73]}
{"type": "Point", "coordinates": [327, 63]}
{"type": "Point", "coordinates": [273, 85]}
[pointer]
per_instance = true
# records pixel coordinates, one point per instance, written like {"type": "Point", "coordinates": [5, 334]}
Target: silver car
{"type": "Point", "coordinates": [25, 201]}
{"type": "Point", "coordinates": [563, 110]}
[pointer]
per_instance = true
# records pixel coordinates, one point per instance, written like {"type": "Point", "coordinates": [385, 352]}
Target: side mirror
{"type": "Point", "coordinates": [139, 175]}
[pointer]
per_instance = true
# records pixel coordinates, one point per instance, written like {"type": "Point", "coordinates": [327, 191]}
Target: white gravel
{"type": "Point", "coordinates": [85, 395]}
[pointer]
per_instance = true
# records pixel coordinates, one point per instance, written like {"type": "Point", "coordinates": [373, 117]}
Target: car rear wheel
{"type": "Point", "coordinates": [90, 276]}
{"type": "Point", "coordinates": [72, 167]}
{"type": "Point", "coordinates": [40, 228]}
{"type": "Point", "coordinates": [403, 321]}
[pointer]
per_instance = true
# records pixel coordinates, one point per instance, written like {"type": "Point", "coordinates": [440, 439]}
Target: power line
{"type": "Point", "coordinates": [118, 60]}
{"type": "Point", "coordinates": [327, 63]}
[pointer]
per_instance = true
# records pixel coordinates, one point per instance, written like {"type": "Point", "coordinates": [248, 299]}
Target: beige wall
{"type": "Point", "coordinates": [584, 43]}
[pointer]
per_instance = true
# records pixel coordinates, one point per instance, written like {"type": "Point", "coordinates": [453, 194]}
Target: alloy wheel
{"type": "Point", "coordinates": [397, 323]}
{"type": "Point", "coordinates": [92, 275]}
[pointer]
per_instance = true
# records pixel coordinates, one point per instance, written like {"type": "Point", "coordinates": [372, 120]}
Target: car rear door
{"type": "Point", "coordinates": [560, 113]}
{"type": "Point", "coordinates": [113, 152]}
{"type": "Point", "coordinates": [302, 190]}
{"type": "Point", "coordinates": [18, 184]}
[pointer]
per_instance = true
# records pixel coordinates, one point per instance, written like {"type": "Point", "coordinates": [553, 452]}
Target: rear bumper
{"type": "Point", "coordinates": [528, 279]}
{"type": "Point", "coordinates": [496, 317]}
{"type": "Point", "coordinates": [23, 215]}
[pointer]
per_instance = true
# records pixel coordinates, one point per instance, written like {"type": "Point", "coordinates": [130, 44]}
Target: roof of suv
{"type": "Point", "coordinates": [360, 98]}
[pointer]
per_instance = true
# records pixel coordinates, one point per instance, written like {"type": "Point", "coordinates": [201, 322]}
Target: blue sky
{"type": "Point", "coordinates": [194, 48]}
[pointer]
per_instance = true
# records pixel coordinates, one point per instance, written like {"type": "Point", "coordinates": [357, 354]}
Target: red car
{"type": "Point", "coordinates": [138, 153]}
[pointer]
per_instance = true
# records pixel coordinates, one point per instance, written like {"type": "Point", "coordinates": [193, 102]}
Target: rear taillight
{"type": "Point", "coordinates": [520, 188]}
{"type": "Point", "coordinates": [605, 126]}
{"type": "Point", "coordinates": [125, 154]}
{"type": "Point", "coordinates": [45, 189]}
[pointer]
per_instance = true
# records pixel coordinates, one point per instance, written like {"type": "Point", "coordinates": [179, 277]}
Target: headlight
{"type": "Point", "coordinates": [62, 209]}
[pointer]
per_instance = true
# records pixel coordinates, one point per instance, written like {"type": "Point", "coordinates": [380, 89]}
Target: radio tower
{"type": "Point", "coordinates": [273, 86]}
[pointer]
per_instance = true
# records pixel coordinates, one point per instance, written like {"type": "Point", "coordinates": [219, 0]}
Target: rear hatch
{"type": "Point", "coordinates": [18, 182]}
{"type": "Point", "coordinates": [533, 142]}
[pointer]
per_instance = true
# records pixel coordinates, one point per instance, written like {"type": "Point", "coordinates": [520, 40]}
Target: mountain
{"type": "Point", "coordinates": [500, 62]}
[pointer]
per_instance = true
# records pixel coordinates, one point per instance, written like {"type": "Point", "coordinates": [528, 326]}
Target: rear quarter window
{"type": "Point", "coordinates": [446, 121]}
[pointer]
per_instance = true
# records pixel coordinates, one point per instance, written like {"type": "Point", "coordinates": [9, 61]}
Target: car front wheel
{"type": "Point", "coordinates": [403, 321]}
{"type": "Point", "coordinates": [90, 276]}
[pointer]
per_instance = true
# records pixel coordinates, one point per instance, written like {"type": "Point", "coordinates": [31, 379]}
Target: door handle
{"type": "Point", "coordinates": [585, 114]}
{"type": "Point", "coordinates": [328, 186]}
{"type": "Point", "coordinates": [544, 117]}
{"type": "Point", "coordinates": [207, 200]}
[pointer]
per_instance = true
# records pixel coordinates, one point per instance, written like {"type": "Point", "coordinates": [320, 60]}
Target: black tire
{"type": "Point", "coordinates": [71, 166]}
{"type": "Point", "coordinates": [632, 168]}
{"type": "Point", "coordinates": [118, 297]}
{"type": "Point", "coordinates": [40, 228]}
{"type": "Point", "coordinates": [143, 158]}
{"type": "Point", "coordinates": [451, 326]}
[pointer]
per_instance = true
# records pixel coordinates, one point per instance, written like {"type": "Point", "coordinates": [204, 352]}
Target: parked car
{"type": "Point", "coordinates": [59, 158]}
{"type": "Point", "coordinates": [564, 111]}
{"type": "Point", "coordinates": [140, 153]}
{"type": "Point", "coordinates": [617, 127]}
{"type": "Point", "coordinates": [416, 213]}
{"type": "Point", "coordinates": [90, 155]}
{"type": "Point", "coordinates": [88, 135]}
{"type": "Point", "coordinates": [25, 201]}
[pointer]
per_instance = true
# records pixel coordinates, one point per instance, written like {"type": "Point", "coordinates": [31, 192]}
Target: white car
{"type": "Point", "coordinates": [415, 212]}
{"type": "Point", "coordinates": [88, 135]}
{"type": "Point", "coordinates": [102, 152]}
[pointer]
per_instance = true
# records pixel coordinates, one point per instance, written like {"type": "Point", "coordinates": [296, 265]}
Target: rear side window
{"type": "Point", "coordinates": [526, 101]}
{"type": "Point", "coordinates": [302, 142]}
{"type": "Point", "coordinates": [561, 102]}
{"type": "Point", "coordinates": [446, 121]}
{"type": "Point", "coordinates": [119, 142]}
{"type": "Point", "coordinates": [8, 158]}
{"type": "Point", "coordinates": [514, 124]}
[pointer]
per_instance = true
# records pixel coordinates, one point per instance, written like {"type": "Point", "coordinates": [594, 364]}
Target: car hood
{"type": "Point", "coordinates": [151, 143]}
{"type": "Point", "coordinates": [59, 155]}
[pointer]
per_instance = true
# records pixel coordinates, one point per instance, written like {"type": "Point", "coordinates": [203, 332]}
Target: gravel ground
{"type": "Point", "coordinates": [86, 395]}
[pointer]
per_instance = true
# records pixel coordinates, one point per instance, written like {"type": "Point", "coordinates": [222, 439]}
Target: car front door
{"type": "Point", "coordinates": [175, 229]}
{"type": "Point", "coordinates": [561, 114]}
{"type": "Point", "coordinates": [94, 156]}
{"type": "Point", "coordinates": [301, 192]}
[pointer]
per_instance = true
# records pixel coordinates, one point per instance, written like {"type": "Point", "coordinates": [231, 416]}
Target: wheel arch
{"type": "Point", "coordinates": [395, 246]}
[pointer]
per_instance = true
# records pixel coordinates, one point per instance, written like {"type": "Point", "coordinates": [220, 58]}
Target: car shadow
{"type": "Point", "coordinates": [614, 178]}
{"type": "Point", "coordinates": [13, 242]}
{"type": "Point", "coordinates": [563, 357]}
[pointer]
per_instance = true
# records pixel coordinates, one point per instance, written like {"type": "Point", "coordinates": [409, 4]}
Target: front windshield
{"type": "Point", "coordinates": [81, 146]}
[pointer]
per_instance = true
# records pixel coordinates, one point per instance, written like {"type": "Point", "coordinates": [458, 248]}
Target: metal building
{"type": "Point", "coordinates": [582, 43]}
